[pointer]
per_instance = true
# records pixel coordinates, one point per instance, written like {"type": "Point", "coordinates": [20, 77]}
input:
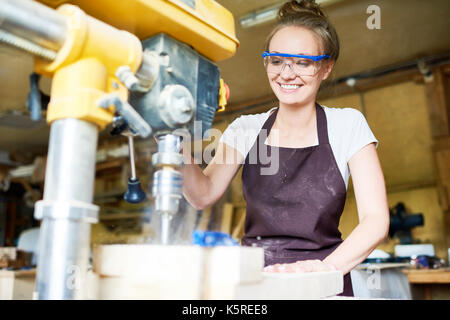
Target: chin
{"type": "Point", "coordinates": [292, 100]}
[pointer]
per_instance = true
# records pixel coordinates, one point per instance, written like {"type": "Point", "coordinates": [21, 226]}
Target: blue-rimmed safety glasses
{"type": "Point", "coordinates": [301, 65]}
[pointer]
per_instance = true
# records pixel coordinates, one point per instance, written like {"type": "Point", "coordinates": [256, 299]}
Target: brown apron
{"type": "Point", "coordinates": [294, 213]}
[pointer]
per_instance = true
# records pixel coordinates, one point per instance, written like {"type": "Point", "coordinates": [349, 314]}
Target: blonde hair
{"type": "Point", "coordinates": [308, 14]}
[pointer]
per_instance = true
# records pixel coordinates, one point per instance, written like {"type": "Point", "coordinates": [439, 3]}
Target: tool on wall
{"type": "Point", "coordinates": [159, 87]}
{"type": "Point", "coordinates": [401, 223]}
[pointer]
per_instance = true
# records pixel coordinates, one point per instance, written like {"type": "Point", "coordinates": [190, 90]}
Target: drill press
{"type": "Point", "coordinates": [157, 87]}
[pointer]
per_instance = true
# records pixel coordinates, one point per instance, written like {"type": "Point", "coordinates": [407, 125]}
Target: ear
{"type": "Point", "coordinates": [326, 69]}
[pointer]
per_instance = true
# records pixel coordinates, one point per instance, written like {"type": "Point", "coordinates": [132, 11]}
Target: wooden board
{"type": "Point", "coordinates": [293, 286]}
{"type": "Point", "coordinates": [428, 276]}
{"type": "Point", "coordinates": [204, 219]}
{"type": "Point", "coordinates": [227, 216]}
{"type": "Point", "coordinates": [175, 271]}
{"type": "Point", "coordinates": [238, 230]}
{"type": "Point", "coordinates": [17, 285]}
{"type": "Point", "coordinates": [6, 285]}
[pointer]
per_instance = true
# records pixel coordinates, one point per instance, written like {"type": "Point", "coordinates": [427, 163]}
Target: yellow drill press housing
{"type": "Point", "coordinates": [203, 24]}
{"type": "Point", "coordinates": [85, 67]}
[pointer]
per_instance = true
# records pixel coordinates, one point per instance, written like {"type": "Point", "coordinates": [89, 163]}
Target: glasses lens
{"type": "Point", "coordinates": [300, 66]}
{"type": "Point", "coordinates": [305, 67]}
{"type": "Point", "coordinates": [274, 64]}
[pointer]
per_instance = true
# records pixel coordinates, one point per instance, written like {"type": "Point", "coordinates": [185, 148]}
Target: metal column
{"type": "Point", "coordinates": [67, 210]}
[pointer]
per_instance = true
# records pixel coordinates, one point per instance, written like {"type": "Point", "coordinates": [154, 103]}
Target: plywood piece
{"type": "Point", "coordinates": [293, 286]}
{"type": "Point", "coordinates": [92, 286]}
{"type": "Point", "coordinates": [204, 219]}
{"type": "Point", "coordinates": [174, 272]}
{"type": "Point", "coordinates": [24, 285]}
{"type": "Point", "coordinates": [227, 267]}
{"type": "Point", "coordinates": [6, 285]}
{"type": "Point", "coordinates": [238, 230]}
{"type": "Point", "coordinates": [159, 260]}
{"type": "Point", "coordinates": [124, 288]}
{"type": "Point", "coordinates": [227, 216]}
{"type": "Point", "coordinates": [17, 285]}
{"type": "Point", "coordinates": [149, 271]}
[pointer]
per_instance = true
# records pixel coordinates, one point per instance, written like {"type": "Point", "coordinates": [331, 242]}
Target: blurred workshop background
{"type": "Point", "coordinates": [397, 75]}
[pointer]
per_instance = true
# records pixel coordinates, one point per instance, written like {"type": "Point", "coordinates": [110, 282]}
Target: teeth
{"type": "Point", "coordinates": [289, 86]}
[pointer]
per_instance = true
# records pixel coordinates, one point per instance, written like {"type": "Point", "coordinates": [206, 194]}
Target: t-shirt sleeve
{"type": "Point", "coordinates": [233, 136]}
{"type": "Point", "coordinates": [242, 132]}
{"type": "Point", "coordinates": [360, 134]}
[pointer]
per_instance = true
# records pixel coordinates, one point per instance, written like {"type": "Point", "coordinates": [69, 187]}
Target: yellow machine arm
{"type": "Point", "coordinates": [203, 24]}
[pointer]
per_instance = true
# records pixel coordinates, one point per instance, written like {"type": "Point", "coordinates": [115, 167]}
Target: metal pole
{"type": "Point", "coordinates": [34, 22]}
{"type": "Point", "coordinates": [132, 161]}
{"type": "Point", "coordinates": [165, 228]}
{"type": "Point", "coordinates": [67, 210]}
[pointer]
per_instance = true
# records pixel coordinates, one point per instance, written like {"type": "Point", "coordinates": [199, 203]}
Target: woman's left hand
{"type": "Point", "coordinates": [300, 266]}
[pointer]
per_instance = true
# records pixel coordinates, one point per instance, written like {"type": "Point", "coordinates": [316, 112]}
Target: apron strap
{"type": "Point", "coordinates": [322, 130]}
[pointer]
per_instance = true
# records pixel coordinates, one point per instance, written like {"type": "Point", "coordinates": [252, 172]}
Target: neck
{"type": "Point", "coordinates": [296, 118]}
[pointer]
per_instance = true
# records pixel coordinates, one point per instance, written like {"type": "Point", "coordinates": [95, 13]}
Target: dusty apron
{"type": "Point", "coordinates": [294, 213]}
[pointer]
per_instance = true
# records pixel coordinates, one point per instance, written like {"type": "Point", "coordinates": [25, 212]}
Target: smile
{"type": "Point", "coordinates": [289, 86]}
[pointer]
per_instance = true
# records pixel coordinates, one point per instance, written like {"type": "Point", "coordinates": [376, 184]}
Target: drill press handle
{"type": "Point", "coordinates": [134, 193]}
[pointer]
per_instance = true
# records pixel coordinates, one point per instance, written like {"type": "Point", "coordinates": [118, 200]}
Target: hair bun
{"type": "Point", "coordinates": [294, 8]}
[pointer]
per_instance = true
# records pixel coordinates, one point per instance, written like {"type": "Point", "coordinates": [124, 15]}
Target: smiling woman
{"type": "Point", "coordinates": [293, 212]}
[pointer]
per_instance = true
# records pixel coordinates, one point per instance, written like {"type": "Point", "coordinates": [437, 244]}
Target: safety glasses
{"type": "Point", "coordinates": [301, 65]}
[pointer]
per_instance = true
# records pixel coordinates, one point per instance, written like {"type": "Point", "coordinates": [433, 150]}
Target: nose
{"type": "Point", "coordinates": [289, 74]}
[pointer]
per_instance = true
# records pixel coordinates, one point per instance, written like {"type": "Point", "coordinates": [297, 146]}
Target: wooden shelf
{"type": "Point", "coordinates": [428, 276]}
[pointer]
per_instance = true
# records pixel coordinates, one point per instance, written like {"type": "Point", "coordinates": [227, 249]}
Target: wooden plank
{"type": "Point", "coordinates": [204, 219]}
{"type": "Point", "coordinates": [442, 159]}
{"type": "Point", "coordinates": [17, 285]}
{"type": "Point", "coordinates": [110, 164]}
{"type": "Point", "coordinates": [293, 286]}
{"type": "Point", "coordinates": [239, 227]}
{"type": "Point", "coordinates": [428, 276]}
{"type": "Point", "coordinates": [6, 284]}
{"type": "Point", "coordinates": [10, 222]}
{"type": "Point", "coordinates": [174, 272]}
{"type": "Point", "coordinates": [380, 266]}
{"type": "Point", "coordinates": [438, 104]}
{"type": "Point", "coordinates": [119, 216]}
{"type": "Point", "coordinates": [227, 216]}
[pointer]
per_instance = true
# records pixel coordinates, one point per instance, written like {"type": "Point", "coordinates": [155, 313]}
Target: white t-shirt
{"type": "Point", "coordinates": [348, 132]}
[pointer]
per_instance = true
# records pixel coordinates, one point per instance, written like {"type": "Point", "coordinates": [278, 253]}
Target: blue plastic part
{"type": "Point", "coordinates": [277, 54]}
{"type": "Point", "coordinates": [212, 238]}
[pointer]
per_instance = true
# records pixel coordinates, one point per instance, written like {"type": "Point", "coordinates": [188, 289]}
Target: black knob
{"type": "Point", "coordinates": [134, 193]}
